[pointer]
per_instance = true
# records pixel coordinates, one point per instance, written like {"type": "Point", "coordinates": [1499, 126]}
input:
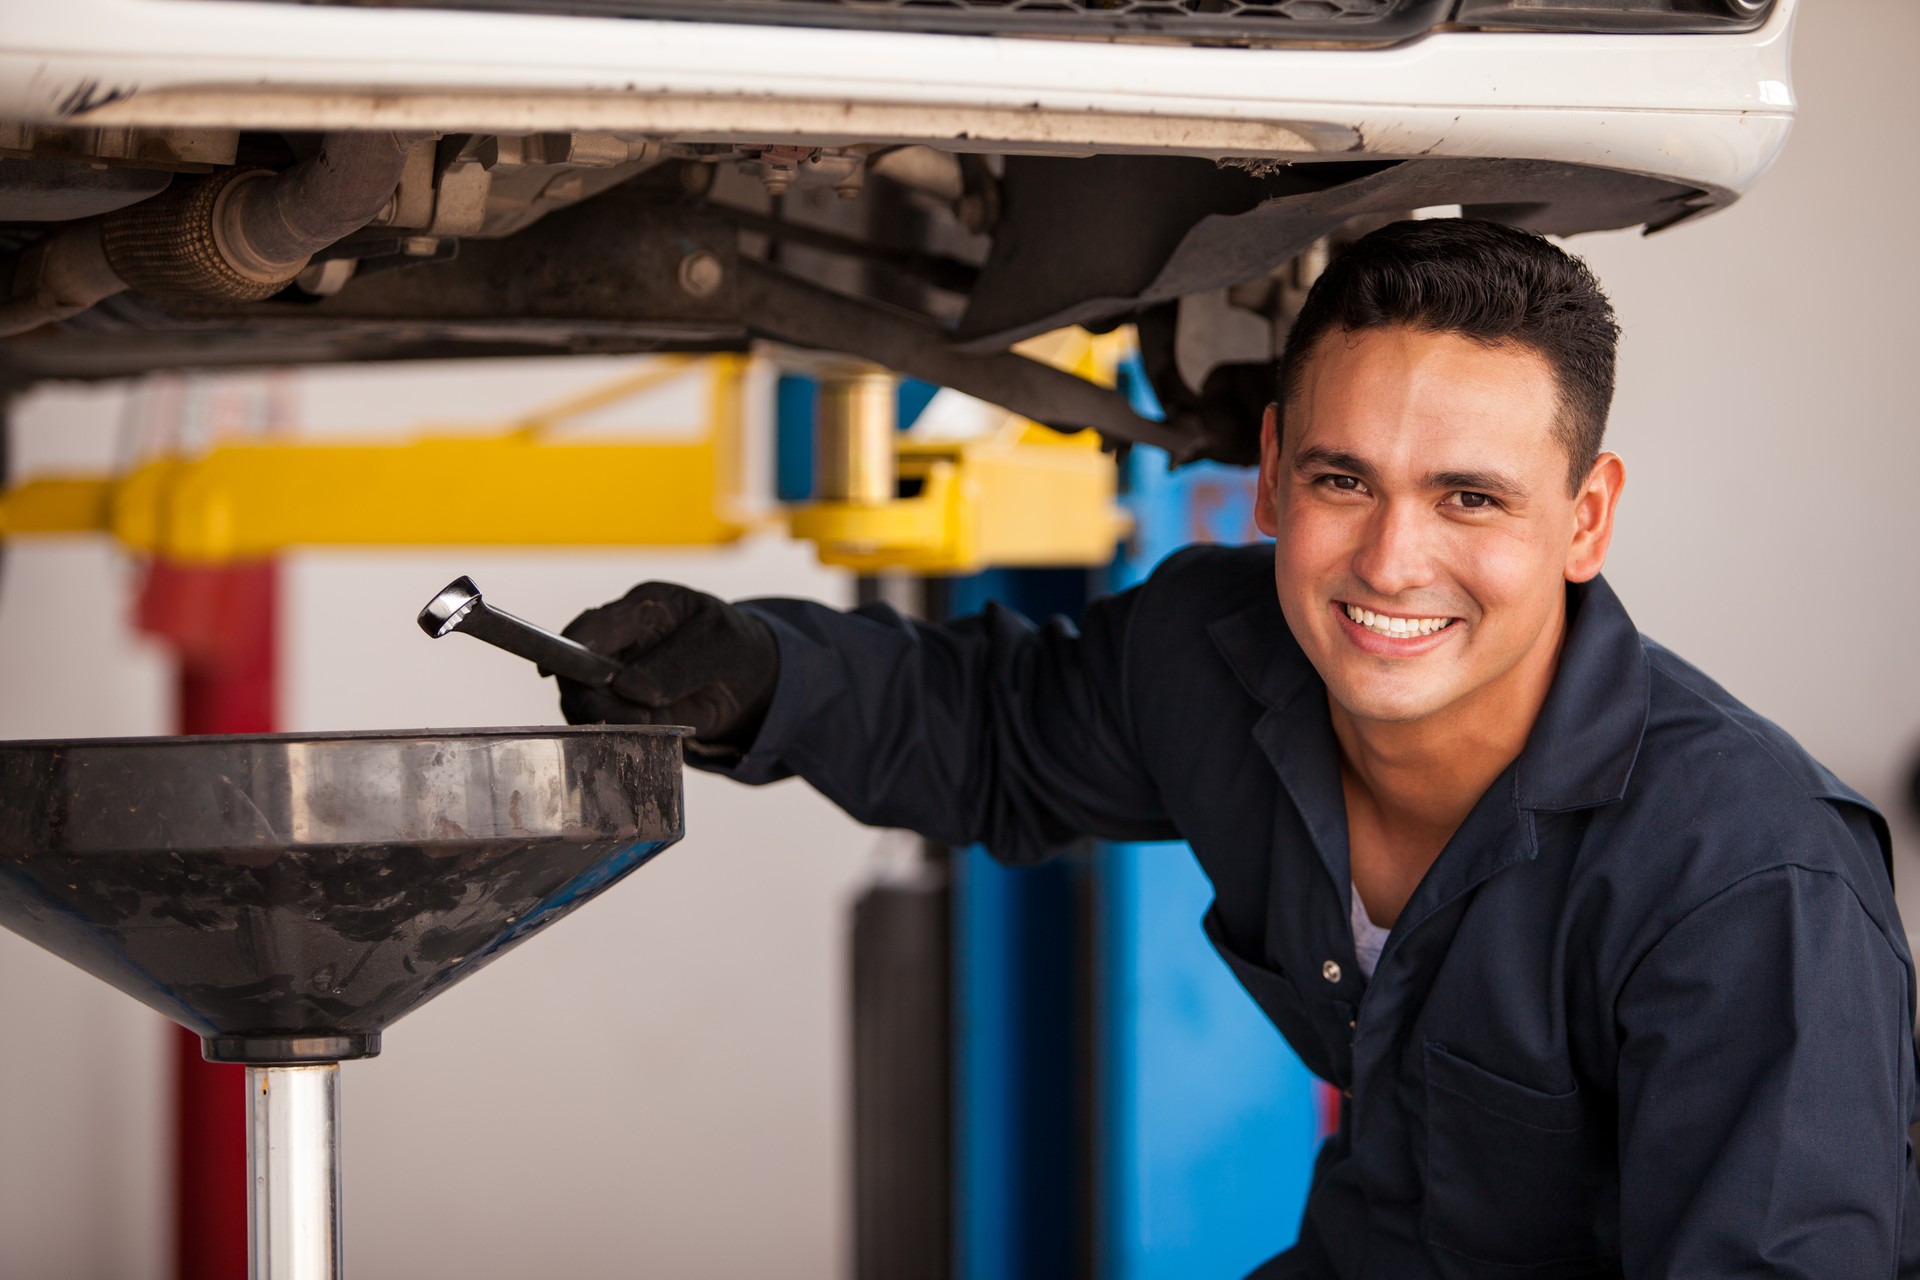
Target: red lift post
{"type": "Point", "coordinates": [221, 622]}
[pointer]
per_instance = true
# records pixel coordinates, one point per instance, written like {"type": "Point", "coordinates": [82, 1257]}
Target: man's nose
{"type": "Point", "coordinates": [1394, 554]}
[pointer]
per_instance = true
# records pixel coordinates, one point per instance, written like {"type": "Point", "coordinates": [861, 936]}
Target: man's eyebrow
{"type": "Point", "coordinates": [1491, 483]}
{"type": "Point", "coordinates": [1318, 458]}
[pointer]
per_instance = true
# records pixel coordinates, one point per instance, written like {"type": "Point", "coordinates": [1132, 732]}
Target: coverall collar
{"type": "Point", "coordinates": [1579, 754]}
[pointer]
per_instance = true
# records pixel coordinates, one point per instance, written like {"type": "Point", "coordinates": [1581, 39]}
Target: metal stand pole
{"type": "Point", "coordinates": [293, 1163]}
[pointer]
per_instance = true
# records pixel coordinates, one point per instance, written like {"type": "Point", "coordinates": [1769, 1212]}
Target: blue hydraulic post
{"type": "Point", "coordinates": [902, 1056]}
{"type": "Point", "coordinates": [793, 415]}
{"type": "Point", "coordinates": [1023, 1035]}
{"type": "Point", "coordinates": [1121, 1109]}
{"type": "Point", "coordinates": [1021, 1106]}
{"type": "Point", "coordinates": [1208, 1123]}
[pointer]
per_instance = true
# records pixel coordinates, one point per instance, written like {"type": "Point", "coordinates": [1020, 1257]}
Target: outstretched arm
{"type": "Point", "coordinates": [988, 729]}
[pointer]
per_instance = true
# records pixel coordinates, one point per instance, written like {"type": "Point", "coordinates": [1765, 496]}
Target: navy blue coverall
{"type": "Point", "coordinates": [1648, 1014]}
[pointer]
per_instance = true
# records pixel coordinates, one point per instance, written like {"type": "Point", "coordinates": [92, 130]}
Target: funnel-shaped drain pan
{"type": "Point", "coordinates": [287, 897]}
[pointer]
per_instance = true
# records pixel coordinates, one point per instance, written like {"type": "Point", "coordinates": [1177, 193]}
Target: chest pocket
{"type": "Point", "coordinates": [1315, 1039]}
{"type": "Point", "coordinates": [1519, 1183]}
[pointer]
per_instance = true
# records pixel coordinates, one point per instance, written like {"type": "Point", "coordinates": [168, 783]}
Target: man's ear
{"type": "Point", "coordinates": [1593, 509]}
{"type": "Point", "coordinates": [1265, 517]}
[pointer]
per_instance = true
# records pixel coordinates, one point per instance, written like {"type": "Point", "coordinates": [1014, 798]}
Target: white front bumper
{"type": "Point", "coordinates": [1707, 110]}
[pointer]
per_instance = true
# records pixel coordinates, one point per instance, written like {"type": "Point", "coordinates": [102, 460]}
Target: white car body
{"type": "Point", "coordinates": [622, 183]}
{"type": "Point", "coordinates": [1712, 110]}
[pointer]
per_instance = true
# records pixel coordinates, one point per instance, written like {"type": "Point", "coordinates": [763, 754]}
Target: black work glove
{"type": "Point", "coordinates": [690, 659]}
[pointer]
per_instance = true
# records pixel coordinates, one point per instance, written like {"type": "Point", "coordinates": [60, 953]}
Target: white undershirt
{"type": "Point", "coordinates": [1368, 937]}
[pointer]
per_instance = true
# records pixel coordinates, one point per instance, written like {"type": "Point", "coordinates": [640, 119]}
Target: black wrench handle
{"type": "Point", "coordinates": [458, 607]}
{"type": "Point", "coordinates": [555, 653]}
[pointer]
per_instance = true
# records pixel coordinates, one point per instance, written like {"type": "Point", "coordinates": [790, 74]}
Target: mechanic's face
{"type": "Point", "coordinates": [1424, 527]}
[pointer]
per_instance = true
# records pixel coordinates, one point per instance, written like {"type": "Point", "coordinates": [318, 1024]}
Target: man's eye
{"type": "Point", "coordinates": [1473, 501]}
{"type": "Point", "coordinates": [1346, 484]}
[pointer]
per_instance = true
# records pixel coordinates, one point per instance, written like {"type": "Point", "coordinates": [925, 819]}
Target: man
{"type": "Point", "coordinates": [1607, 968]}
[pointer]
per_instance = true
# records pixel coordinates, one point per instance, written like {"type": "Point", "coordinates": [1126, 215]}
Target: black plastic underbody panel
{"type": "Point", "coordinates": [1233, 22]}
{"type": "Point", "coordinates": [1208, 21]}
{"type": "Point", "coordinates": [1648, 17]}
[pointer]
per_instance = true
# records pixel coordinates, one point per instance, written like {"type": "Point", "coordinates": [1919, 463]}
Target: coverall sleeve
{"type": "Point", "coordinates": [989, 729]}
{"type": "Point", "coordinates": [1764, 1095]}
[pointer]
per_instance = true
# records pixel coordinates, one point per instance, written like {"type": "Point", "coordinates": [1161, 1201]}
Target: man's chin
{"type": "Point", "coordinates": [1394, 705]}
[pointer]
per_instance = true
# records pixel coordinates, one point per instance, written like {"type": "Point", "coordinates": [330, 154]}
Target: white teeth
{"type": "Point", "coordinates": [1382, 624]}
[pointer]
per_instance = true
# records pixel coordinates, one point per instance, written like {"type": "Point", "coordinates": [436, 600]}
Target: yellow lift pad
{"type": "Point", "coordinates": [1024, 496]}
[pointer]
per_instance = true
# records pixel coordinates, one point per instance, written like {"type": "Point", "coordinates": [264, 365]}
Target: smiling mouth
{"type": "Point", "coordinates": [1382, 624]}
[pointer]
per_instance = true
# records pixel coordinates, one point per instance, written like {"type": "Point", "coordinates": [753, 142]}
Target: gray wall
{"type": "Point", "coordinates": [662, 1091]}
{"type": "Point", "coordinates": [1770, 531]}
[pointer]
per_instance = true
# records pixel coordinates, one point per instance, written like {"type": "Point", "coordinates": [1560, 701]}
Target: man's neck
{"type": "Point", "coordinates": [1410, 784]}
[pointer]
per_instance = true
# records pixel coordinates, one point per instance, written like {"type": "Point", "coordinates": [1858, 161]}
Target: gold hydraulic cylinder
{"type": "Point", "coordinates": [855, 420]}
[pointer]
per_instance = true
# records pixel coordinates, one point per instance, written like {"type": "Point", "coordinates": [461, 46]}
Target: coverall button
{"type": "Point", "coordinates": [1330, 971]}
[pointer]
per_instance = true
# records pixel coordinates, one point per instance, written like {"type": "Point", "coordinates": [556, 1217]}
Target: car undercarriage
{"type": "Point", "coordinates": [492, 179]}
{"type": "Point", "coordinates": [928, 262]}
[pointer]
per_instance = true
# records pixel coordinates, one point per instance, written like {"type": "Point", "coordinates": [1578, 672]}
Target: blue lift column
{"type": "Point", "coordinates": [1126, 1111]}
{"type": "Point", "coordinates": [1208, 1122]}
{"type": "Point", "coordinates": [1120, 1108]}
{"type": "Point", "coordinates": [1027, 1125]}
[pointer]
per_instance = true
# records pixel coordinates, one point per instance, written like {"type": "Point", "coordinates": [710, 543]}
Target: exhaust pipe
{"type": "Point", "coordinates": [237, 236]}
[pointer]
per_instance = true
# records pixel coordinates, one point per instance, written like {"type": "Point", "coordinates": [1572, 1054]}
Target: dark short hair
{"type": "Point", "coordinates": [1482, 280]}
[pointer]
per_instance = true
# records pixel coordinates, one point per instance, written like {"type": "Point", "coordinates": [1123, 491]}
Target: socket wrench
{"type": "Point", "coordinates": [458, 607]}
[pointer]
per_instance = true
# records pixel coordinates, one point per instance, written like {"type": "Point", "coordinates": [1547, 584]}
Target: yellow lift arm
{"type": "Point", "coordinates": [517, 487]}
{"type": "Point", "coordinates": [1021, 495]}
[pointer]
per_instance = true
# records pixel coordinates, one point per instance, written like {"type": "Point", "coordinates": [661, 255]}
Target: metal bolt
{"type": "Point", "coordinates": [848, 187]}
{"type": "Point", "coordinates": [701, 274]}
